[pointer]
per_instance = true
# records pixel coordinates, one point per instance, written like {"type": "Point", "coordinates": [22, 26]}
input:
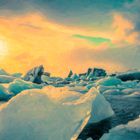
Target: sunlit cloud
{"type": "Point", "coordinates": [32, 40]}
{"type": "Point", "coordinates": [123, 30]}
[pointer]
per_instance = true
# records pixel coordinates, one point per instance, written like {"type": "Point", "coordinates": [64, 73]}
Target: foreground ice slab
{"type": "Point", "coordinates": [131, 131]}
{"type": "Point", "coordinates": [51, 114]}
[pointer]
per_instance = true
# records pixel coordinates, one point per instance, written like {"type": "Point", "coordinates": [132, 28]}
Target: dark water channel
{"type": "Point", "coordinates": [125, 108]}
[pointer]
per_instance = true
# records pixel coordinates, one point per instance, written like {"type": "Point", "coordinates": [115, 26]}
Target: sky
{"type": "Point", "coordinates": [69, 34]}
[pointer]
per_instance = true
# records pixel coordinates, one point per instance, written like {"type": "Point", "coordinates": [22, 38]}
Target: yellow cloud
{"type": "Point", "coordinates": [33, 40]}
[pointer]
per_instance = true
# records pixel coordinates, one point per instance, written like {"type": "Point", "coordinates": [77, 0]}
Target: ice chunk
{"type": "Point", "coordinates": [93, 72]}
{"type": "Point", "coordinates": [46, 79]}
{"type": "Point", "coordinates": [130, 84]}
{"type": "Point", "coordinates": [134, 94]}
{"type": "Point", "coordinates": [101, 109]}
{"type": "Point", "coordinates": [75, 77]}
{"type": "Point", "coordinates": [81, 83]}
{"type": "Point", "coordinates": [6, 79]}
{"type": "Point", "coordinates": [138, 85]}
{"type": "Point", "coordinates": [109, 81]}
{"type": "Point", "coordinates": [49, 114]}
{"type": "Point", "coordinates": [4, 94]}
{"type": "Point", "coordinates": [46, 117]}
{"type": "Point", "coordinates": [90, 85]}
{"type": "Point", "coordinates": [3, 72]}
{"type": "Point", "coordinates": [17, 75]}
{"type": "Point", "coordinates": [102, 88]}
{"type": "Point", "coordinates": [83, 77]}
{"type": "Point", "coordinates": [70, 74]}
{"type": "Point", "coordinates": [50, 80]}
{"type": "Point", "coordinates": [80, 89]}
{"type": "Point", "coordinates": [130, 75]}
{"type": "Point", "coordinates": [61, 83]}
{"type": "Point", "coordinates": [130, 131]}
{"type": "Point", "coordinates": [19, 85]}
{"type": "Point", "coordinates": [130, 90]}
{"type": "Point", "coordinates": [113, 92]}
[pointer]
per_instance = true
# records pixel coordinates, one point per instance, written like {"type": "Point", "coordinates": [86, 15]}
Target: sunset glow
{"type": "Point", "coordinates": [32, 39]}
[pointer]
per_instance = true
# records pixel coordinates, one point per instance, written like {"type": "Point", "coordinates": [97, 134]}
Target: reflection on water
{"type": "Point", "coordinates": [125, 108]}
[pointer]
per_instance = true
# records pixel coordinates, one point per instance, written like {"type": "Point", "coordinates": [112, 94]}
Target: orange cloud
{"type": "Point", "coordinates": [121, 28]}
{"type": "Point", "coordinates": [33, 40]}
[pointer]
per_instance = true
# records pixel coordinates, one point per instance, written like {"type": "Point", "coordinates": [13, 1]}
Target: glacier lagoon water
{"type": "Point", "coordinates": [125, 108]}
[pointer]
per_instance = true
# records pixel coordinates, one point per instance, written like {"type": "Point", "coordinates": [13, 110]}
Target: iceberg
{"type": "Point", "coordinates": [99, 72]}
{"type": "Point", "coordinates": [51, 114]}
{"type": "Point", "coordinates": [34, 75]}
{"type": "Point", "coordinates": [130, 131]}
{"type": "Point", "coordinates": [91, 74]}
